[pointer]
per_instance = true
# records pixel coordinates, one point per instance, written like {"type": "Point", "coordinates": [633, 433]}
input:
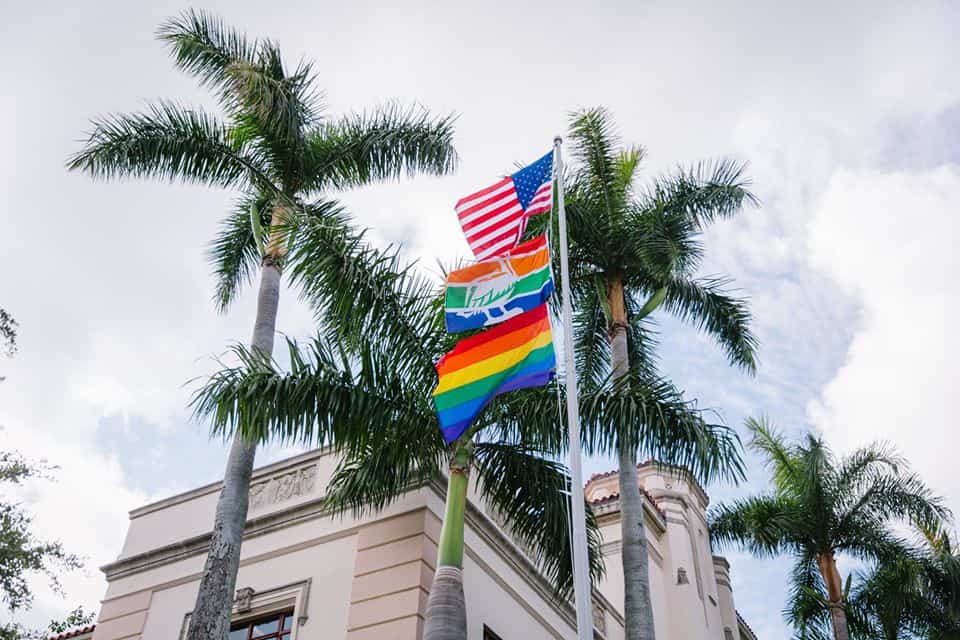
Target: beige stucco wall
{"type": "Point", "coordinates": [358, 579]}
{"type": "Point", "coordinates": [698, 607]}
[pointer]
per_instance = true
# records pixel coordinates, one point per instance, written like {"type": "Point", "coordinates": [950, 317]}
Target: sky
{"type": "Point", "coordinates": [848, 114]}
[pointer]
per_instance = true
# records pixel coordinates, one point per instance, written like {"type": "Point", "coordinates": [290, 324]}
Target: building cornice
{"type": "Point", "coordinates": [609, 512]}
{"type": "Point", "coordinates": [681, 472]}
{"type": "Point", "coordinates": [194, 546]}
{"type": "Point", "coordinates": [200, 544]}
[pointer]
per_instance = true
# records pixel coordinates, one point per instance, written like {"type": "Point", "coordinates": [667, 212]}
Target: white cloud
{"type": "Point", "coordinates": [890, 240]}
{"type": "Point", "coordinates": [84, 505]}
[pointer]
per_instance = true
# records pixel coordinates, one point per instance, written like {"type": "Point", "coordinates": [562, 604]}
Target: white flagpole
{"type": "Point", "coordinates": [581, 566]}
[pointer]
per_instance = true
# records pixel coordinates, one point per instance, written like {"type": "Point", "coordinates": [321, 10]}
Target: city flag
{"type": "Point", "coordinates": [495, 290]}
{"type": "Point", "coordinates": [513, 355]}
{"type": "Point", "coordinates": [493, 219]}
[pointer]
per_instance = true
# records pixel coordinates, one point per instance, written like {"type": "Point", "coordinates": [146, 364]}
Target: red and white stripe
{"type": "Point", "coordinates": [542, 199]}
{"type": "Point", "coordinates": [493, 220]}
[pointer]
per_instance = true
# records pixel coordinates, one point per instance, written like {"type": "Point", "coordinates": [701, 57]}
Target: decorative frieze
{"type": "Point", "coordinates": [283, 486]}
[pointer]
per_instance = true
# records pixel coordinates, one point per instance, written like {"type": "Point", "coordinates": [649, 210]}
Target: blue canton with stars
{"type": "Point", "coordinates": [530, 178]}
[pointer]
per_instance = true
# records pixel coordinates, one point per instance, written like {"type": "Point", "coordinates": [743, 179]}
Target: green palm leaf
{"type": "Point", "coordinates": [705, 304]}
{"type": "Point", "coordinates": [532, 493]}
{"type": "Point", "coordinates": [378, 145]}
{"type": "Point", "coordinates": [235, 252]}
{"type": "Point", "coordinates": [169, 142]}
{"type": "Point", "coordinates": [820, 507]}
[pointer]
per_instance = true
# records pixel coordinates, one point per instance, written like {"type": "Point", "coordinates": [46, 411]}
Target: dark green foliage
{"type": "Point", "coordinates": [8, 332]}
{"type": "Point", "coordinates": [171, 142]}
{"type": "Point", "coordinates": [22, 555]}
{"type": "Point", "coordinates": [235, 253]}
{"type": "Point", "coordinates": [532, 493]}
{"type": "Point", "coordinates": [79, 617]}
{"type": "Point", "coordinates": [649, 240]}
{"type": "Point", "coordinates": [822, 505]}
{"type": "Point", "coordinates": [273, 141]}
{"type": "Point", "coordinates": [365, 385]}
{"type": "Point", "coordinates": [76, 618]}
{"type": "Point", "coordinates": [916, 595]}
{"type": "Point", "coordinates": [381, 144]}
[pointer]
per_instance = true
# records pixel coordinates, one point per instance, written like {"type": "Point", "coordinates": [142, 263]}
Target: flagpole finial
{"type": "Point", "coordinates": [557, 139]}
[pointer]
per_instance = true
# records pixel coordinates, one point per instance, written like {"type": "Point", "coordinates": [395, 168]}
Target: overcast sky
{"type": "Point", "coordinates": [849, 116]}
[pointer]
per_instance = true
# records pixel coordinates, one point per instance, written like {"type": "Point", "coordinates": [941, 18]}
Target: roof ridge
{"type": "Point", "coordinates": [78, 631]}
{"type": "Point", "coordinates": [616, 496]}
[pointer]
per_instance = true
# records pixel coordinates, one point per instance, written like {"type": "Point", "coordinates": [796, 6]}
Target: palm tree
{"type": "Point", "coordinates": [891, 602]}
{"type": "Point", "coordinates": [366, 388]}
{"type": "Point", "coordinates": [942, 569]}
{"type": "Point", "coordinates": [820, 507]}
{"type": "Point", "coordinates": [632, 252]}
{"type": "Point", "coordinates": [275, 146]}
{"type": "Point", "coordinates": [913, 596]}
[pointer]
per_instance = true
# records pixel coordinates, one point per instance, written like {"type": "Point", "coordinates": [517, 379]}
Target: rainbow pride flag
{"type": "Point", "coordinates": [495, 290]}
{"type": "Point", "coordinates": [513, 355]}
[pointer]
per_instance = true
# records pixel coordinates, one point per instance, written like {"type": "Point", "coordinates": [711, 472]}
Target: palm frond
{"type": "Point", "coordinates": [627, 164]}
{"type": "Point", "coordinates": [171, 142]}
{"type": "Point", "coordinates": [660, 245]}
{"type": "Point", "coordinates": [322, 398]}
{"type": "Point", "coordinates": [532, 493]}
{"type": "Point", "coordinates": [381, 144]}
{"type": "Point", "coordinates": [703, 193]}
{"type": "Point", "coordinates": [248, 76]}
{"type": "Point", "coordinates": [359, 291]}
{"type": "Point", "coordinates": [279, 107]}
{"type": "Point", "coordinates": [642, 337]}
{"type": "Point", "coordinates": [204, 46]}
{"type": "Point", "coordinates": [762, 524]}
{"type": "Point", "coordinates": [234, 252]}
{"type": "Point", "coordinates": [650, 414]}
{"type": "Point", "coordinates": [705, 304]}
{"type": "Point", "coordinates": [594, 145]}
{"type": "Point", "coordinates": [903, 495]}
{"type": "Point", "coordinates": [591, 326]}
{"type": "Point", "coordinates": [857, 469]}
{"type": "Point", "coordinates": [779, 456]}
{"type": "Point", "coordinates": [806, 609]}
{"type": "Point", "coordinates": [371, 477]}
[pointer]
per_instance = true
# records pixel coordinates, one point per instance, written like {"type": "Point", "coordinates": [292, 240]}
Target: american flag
{"type": "Point", "coordinates": [493, 219]}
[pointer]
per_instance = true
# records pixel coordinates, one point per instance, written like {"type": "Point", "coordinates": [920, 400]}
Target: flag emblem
{"type": "Point", "coordinates": [513, 355]}
{"type": "Point", "coordinates": [493, 219]}
{"type": "Point", "coordinates": [497, 289]}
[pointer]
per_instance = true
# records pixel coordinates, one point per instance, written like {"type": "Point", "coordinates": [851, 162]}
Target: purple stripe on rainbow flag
{"type": "Point", "coordinates": [516, 354]}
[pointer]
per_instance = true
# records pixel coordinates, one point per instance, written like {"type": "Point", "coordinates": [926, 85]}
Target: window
{"type": "Point", "coordinates": [273, 627]}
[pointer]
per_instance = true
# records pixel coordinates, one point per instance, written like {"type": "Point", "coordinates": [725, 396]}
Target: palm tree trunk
{"type": "Point", "coordinates": [637, 606]}
{"type": "Point", "coordinates": [827, 563]}
{"type": "Point", "coordinates": [210, 618]}
{"type": "Point", "coordinates": [446, 607]}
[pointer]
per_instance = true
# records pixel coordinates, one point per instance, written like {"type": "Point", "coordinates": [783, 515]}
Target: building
{"type": "Point", "coordinates": [305, 574]}
{"type": "Point", "coordinates": [690, 587]}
